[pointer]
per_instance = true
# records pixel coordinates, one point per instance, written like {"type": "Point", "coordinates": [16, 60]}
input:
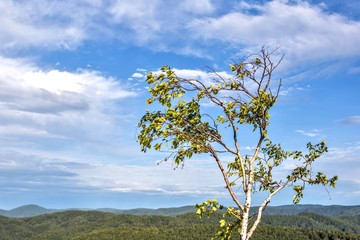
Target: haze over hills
{"type": "Point", "coordinates": [332, 210]}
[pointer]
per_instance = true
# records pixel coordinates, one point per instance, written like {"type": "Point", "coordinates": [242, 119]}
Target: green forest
{"type": "Point", "coordinates": [91, 225]}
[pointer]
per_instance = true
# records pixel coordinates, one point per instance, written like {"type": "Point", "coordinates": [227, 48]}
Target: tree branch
{"type": "Point", "coordinates": [226, 179]}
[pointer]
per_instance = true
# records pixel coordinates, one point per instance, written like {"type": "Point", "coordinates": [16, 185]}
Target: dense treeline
{"type": "Point", "coordinates": [331, 211]}
{"type": "Point", "coordinates": [312, 220]}
{"type": "Point", "coordinates": [205, 232]}
{"type": "Point", "coordinates": [87, 225]}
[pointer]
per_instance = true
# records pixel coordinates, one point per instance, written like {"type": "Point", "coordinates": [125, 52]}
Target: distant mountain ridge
{"type": "Point", "coordinates": [148, 211]}
{"type": "Point", "coordinates": [27, 211]}
{"type": "Point", "coordinates": [332, 210]}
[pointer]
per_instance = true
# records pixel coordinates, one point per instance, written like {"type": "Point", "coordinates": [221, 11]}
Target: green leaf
{"type": "Point", "coordinates": [222, 222]}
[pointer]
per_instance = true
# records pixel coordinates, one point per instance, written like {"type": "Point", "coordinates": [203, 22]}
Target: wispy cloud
{"type": "Point", "coordinates": [66, 172]}
{"type": "Point", "coordinates": [292, 89]}
{"type": "Point", "coordinates": [68, 24]}
{"type": "Point", "coordinates": [43, 23]}
{"type": "Point", "coordinates": [354, 70]}
{"type": "Point", "coordinates": [351, 120]}
{"type": "Point", "coordinates": [312, 133]}
{"type": "Point", "coordinates": [342, 161]}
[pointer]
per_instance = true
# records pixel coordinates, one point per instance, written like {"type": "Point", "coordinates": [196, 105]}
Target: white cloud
{"type": "Point", "coordinates": [69, 111]}
{"type": "Point", "coordinates": [283, 92]}
{"type": "Point", "coordinates": [210, 77]}
{"type": "Point", "coordinates": [312, 133]}
{"type": "Point", "coordinates": [131, 178]}
{"type": "Point", "coordinates": [192, 74]}
{"type": "Point", "coordinates": [305, 31]}
{"type": "Point", "coordinates": [42, 23]}
{"type": "Point", "coordinates": [21, 130]}
{"type": "Point", "coordinates": [199, 6]}
{"type": "Point", "coordinates": [70, 173]}
{"type": "Point", "coordinates": [137, 75]}
{"type": "Point", "coordinates": [67, 24]}
{"type": "Point", "coordinates": [143, 23]}
{"type": "Point", "coordinates": [151, 22]}
{"type": "Point", "coordinates": [137, 15]}
{"type": "Point", "coordinates": [342, 161]}
{"type": "Point", "coordinates": [287, 90]}
{"type": "Point", "coordinates": [205, 77]}
{"type": "Point", "coordinates": [248, 148]}
{"type": "Point", "coordinates": [199, 176]}
{"type": "Point", "coordinates": [57, 103]}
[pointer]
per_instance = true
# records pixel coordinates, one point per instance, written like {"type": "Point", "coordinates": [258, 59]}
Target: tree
{"type": "Point", "coordinates": [184, 128]}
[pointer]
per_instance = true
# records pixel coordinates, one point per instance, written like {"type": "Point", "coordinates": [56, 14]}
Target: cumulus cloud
{"type": "Point", "coordinates": [137, 75]}
{"type": "Point", "coordinates": [305, 31]}
{"type": "Point", "coordinates": [56, 103]}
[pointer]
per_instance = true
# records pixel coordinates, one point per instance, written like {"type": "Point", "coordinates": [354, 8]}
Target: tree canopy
{"type": "Point", "coordinates": [182, 127]}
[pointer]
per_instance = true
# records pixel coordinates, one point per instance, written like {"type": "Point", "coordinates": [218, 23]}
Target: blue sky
{"type": "Point", "coordinates": [73, 89]}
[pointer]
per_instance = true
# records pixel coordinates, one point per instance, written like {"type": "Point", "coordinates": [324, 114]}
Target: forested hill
{"type": "Point", "coordinates": [26, 211]}
{"type": "Point", "coordinates": [333, 211]}
{"type": "Point", "coordinates": [93, 225]}
{"type": "Point", "coordinates": [329, 210]}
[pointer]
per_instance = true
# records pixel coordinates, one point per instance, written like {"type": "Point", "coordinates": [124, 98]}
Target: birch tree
{"type": "Point", "coordinates": [182, 128]}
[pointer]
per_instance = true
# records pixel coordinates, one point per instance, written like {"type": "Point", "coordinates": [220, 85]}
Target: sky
{"type": "Point", "coordinates": [72, 90]}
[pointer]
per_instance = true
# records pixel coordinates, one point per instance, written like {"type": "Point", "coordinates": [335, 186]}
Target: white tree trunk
{"type": "Point", "coordinates": [247, 206]}
{"type": "Point", "coordinates": [244, 226]}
